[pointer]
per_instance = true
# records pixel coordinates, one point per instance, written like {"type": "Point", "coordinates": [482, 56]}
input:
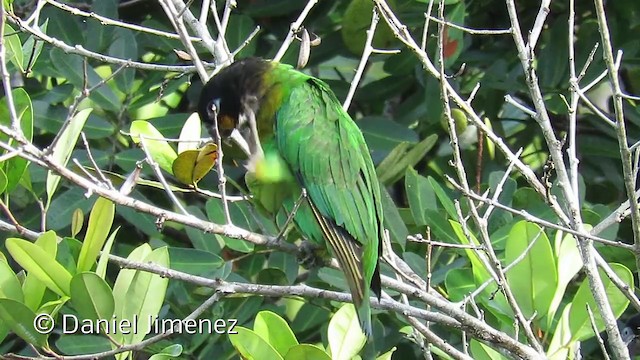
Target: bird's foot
{"type": "Point", "coordinates": [309, 255]}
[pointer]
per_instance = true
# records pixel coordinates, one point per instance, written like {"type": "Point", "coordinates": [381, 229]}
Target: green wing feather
{"type": "Point", "coordinates": [327, 153]}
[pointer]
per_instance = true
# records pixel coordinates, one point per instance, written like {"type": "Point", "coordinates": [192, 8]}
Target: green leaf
{"type": "Point", "coordinates": [91, 296]}
{"type": "Point", "coordinates": [445, 200]}
{"type": "Point", "coordinates": [387, 355]}
{"type": "Point", "coordinates": [394, 166]}
{"type": "Point", "coordinates": [101, 269]}
{"type": "Point", "coordinates": [199, 239]}
{"type": "Point", "coordinates": [397, 229]}
{"type": "Point", "coordinates": [251, 346]}
{"type": "Point", "coordinates": [9, 285]}
{"type": "Point", "coordinates": [420, 195]}
{"type": "Point", "coordinates": [145, 296]}
{"type": "Point", "coordinates": [124, 46]}
{"type": "Point", "coordinates": [125, 276]}
{"type": "Point", "coordinates": [569, 262]}
{"type": "Point", "coordinates": [71, 67]}
{"type": "Point", "coordinates": [345, 336]}
{"type": "Point", "coordinates": [240, 26]}
{"type": "Point", "coordinates": [383, 134]}
{"type": "Point", "coordinates": [195, 262]}
{"type": "Point", "coordinates": [32, 48]}
{"type": "Point", "coordinates": [72, 344]}
{"type": "Point", "coordinates": [533, 280]}
{"type": "Point", "coordinates": [15, 167]}
{"type": "Point", "coordinates": [64, 147]}
{"type": "Point", "coordinates": [459, 284]}
{"type": "Point", "coordinates": [161, 152]}
{"type": "Point", "coordinates": [481, 351]}
{"type": "Point", "coordinates": [3, 181]}
{"type": "Point", "coordinates": [60, 212]}
{"type": "Point", "coordinates": [19, 318]}
{"type": "Point", "coordinates": [100, 221]}
{"type": "Point", "coordinates": [43, 265]}
{"type": "Point", "coordinates": [579, 322]}
{"type": "Point", "coordinates": [14, 47]}
{"type": "Point", "coordinates": [306, 352]}
{"type": "Point", "coordinates": [169, 352]}
{"type": "Point", "coordinates": [283, 339]}
{"type": "Point", "coordinates": [32, 287]}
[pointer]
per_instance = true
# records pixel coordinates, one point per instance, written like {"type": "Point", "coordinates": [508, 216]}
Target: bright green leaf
{"type": "Point", "coordinates": [64, 147]}
{"type": "Point", "coordinates": [283, 339]}
{"type": "Point", "coordinates": [43, 265]}
{"type": "Point", "coordinates": [91, 296]}
{"type": "Point", "coordinates": [100, 221]}
{"type": "Point", "coordinates": [345, 336]}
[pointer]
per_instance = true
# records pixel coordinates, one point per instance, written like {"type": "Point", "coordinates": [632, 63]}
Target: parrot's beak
{"type": "Point", "coordinates": [240, 141]}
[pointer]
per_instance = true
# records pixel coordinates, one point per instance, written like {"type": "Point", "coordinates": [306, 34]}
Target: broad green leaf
{"type": "Point", "coordinates": [19, 318]}
{"type": "Point", "coordinates": [71, 344]}
{"type": "Point", "coordinates": [199, 239]}
{"type": "Point", "coordinates": [533, 280]}
{"type": "Point", "coordinates": [145, 296]}
{"type": "Point", "coordinates": [491, 295]}
{"type": "Point", "coordinates": [283, 339]}
{"type": "Point", "coordinates": [43, 265]}
{"type": "Point", "coordinates": [91, 296]}
{"type": "Point", "coordinates": [240, 26]}
{"type": "Point", "coordinates": [71, 67]}
{"type": "Point", "coordinates": [9, 285]}
{"type": "Point", "coordinates": [192, 165]}
{"type": "Point", "coordinates": [481, 351]}
{"type": "Point", "coordinates": [355, 23]}
{"type": "Point", "coordinates": [100, 221]}
{"type": "Point", "coordinates": [125, 276]}
{"type": "Point", "coordinates": [387, 355]}
{"type": "Point", "coordinates": [32, 48]}
{"type": "Point", "coordinates": [394, 166]}
{"type": "Point", "coordinates": [77, 220]}
{"type": "Point", "coordinates": [15, 167]}
{"type": "Point", "coordinates": [60, 212]}
{"type": "Point", "coordinates": [345, 336]}
{"type": "Point", "coordinates": [161, 152]}
{"type": "Point", "coordinates": [569, 262]}
{"type": "Point", "coordinates": [561, 343]}
{"type": "Point", "coordinates": [397, 229]}
{"type": "Point", "coordinates": [101, 269]}
{"type": "Point", "coordinates": [64, 147]}
{"type": "Point", "coordinates": [420, 195]}
{"type": "Point", "coordinates": [579, 322]}
{"type": "Point", "coordinates": [251, 346]}
{"type": "Point", "coordinates": [124, 46]}
{"type": "Point", "coordinates": [445, 200]}
{"type": "Point", "coordinates": [3, 181]}
{"type": "Point", "coordinates": [306, 352]}
{"type": "Point", "coordinates": [192, 261]}
{"type": "Point", "coordinates": [32, 287]}
{"type": "Point", "coordinates": [237, 211]}
{"type": "Point", "coordinates": [14, 47]}
{"type": "Point", "coordinates": [459, 284]}
{"type": "Point", "coordinates": [170, 352]}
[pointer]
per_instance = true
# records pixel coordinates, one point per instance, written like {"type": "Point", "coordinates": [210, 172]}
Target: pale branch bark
{"type": "Point", "coordinates": [613, 68]}
{"type": "Point", "coordinates": [80, 50]}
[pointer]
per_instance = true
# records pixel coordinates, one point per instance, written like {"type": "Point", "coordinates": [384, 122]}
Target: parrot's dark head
{"type": "Point", "coordinates": [230, 94]}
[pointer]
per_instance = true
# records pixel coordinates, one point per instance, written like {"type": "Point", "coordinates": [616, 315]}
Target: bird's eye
{"type": "Point", "coordinates": [213, 109]}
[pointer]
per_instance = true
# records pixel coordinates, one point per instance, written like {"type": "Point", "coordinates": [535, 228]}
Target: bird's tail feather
{"type": "Point", "coordinates": [348, 253]}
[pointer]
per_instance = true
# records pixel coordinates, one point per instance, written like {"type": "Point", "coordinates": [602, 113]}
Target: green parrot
{"type": "Point", "coordinates": [297, 137]}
